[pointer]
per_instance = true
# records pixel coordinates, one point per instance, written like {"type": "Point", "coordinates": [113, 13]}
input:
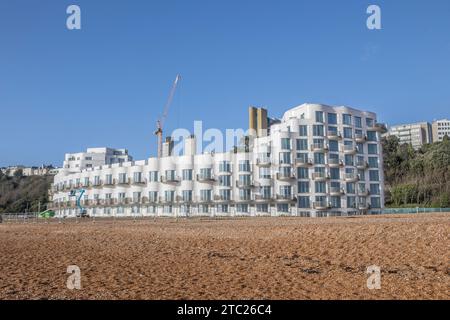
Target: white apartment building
{"type": "Point", "coordinates": [94, 157]}
{"type": "Point", "coordinates": [317, 161]}
{"type": "Point", "coordinates": [441, 128]}
{"type": "Point", "coordinates": [416, 134]}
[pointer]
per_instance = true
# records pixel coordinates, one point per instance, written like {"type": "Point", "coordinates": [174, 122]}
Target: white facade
{"type": "Point", "coordinates": [416, 134]}
{"type": "Point", "coordinates": [94, 157]}
{"type": "Point", "coordinates": [441, 128]}
{"type": "Point", "coordinates": [318, 161]}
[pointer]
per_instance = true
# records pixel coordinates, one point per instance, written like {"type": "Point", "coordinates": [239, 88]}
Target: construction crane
{"type": "Point", "coordinates": [160, 123]}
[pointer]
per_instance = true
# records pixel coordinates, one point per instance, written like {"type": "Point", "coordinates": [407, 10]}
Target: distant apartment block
{"type": "Point", "coordinates": [441, 128]}
{"type": "Point", "coordinates": [416, 134]}
{"type": "Point", "coordinates": [94, 157]}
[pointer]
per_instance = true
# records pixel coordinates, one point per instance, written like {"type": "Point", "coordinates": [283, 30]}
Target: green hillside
{"type": "Point", "coordinates": [20, 194]}
{"type": "Point", "coordinates": [417, 178]}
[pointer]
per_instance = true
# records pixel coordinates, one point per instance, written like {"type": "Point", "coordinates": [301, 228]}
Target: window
{"type": "Point", "coordinates": [264, 173]}
{"type": "Point", "coordinates": [122, 178]}
{"type": "Point", "coordinates": [205, 195]}
{"type": "Point", "coordinates": [205, 173]}
{"type": "Point", "coordinates": [242, 208]}
{"type": "Point", "coordinates": [244, 165]}
{"type": "Point", "coordinates": [318, 130]}
{"type": "Point", "coordinates": [347, 119]}
{"type": "Point", "coordinates": [225, 181]}
{"type": "Point", "coordinates": [375, 202]}
{"type": "Point", "coordinates": [361, 175]}
{"type": "Point", "coordinates": [360, 148]}
{"type": "Point", "coordinates": [303, 187]}
{"type": "Point", "coordinates": [283, 207]}
{"type": "Point", "coordinates": [169, 195]}
{"type": "Point", "coordinates": [335, 202]}
{"type": "Point", "coordinates": [334, 173]}
{"type": "Point", "coordinates": [302, 144]}
{"type": "Point", "coordinates": [350, 187]}
{"type": "Point", "coordinates": [225, 194]}
{"type": "Point", "coordinates": [136, 197]}
{"type": "Point", "coordinates": [374, 175]}
{"type": "Point", "coordinates": [262, 207]}
{"type": "Point", "coordinates": [373, 162]}
{"type": "Point", "coordinates": [153, 176]}
{"type": "Point", "coordinates": [137, 177]}
{"type": "Point", "coordinates": [286, 143]}
{"type": "Point", "coordinates": [302, 173]}
{"type": "Point", "coordinates": [320, 187]}
{"type": "Point", "coordinates": [351, 202]}
{"type": "Point", "coordinates": [244, 194]}
{"type": "Point", "coordinates": [303, 202]}
{"type": "Point", "coordinates": [303, 130]}
{"type": "Point", "coordinates": [153, 196]}
{"type": "Point", "coordinates": [358, 123]}
{"type": "Point", "coordinates": [187, 174]}
{"type": "Point", "coordinates": [332, 118]}
{"type": "Point", "coordinates": [245, 179]}
{"type": "Point", "coordinates": [224, 166]}
{"type": "Point", "coordinates": [187, 195]}
{"type": "Point", "coordinates": [266, 192]}
{"type": "Point", "coordinates": [108, 179]}
{"type": "Point", "coordinates": [374, 189]}
{"type": "Point", "coordinates": [371, 136]}
{"type": "Point", "coordinates": [333, 146]}
{"type": "Point", "coordinates": [319, 116]}
{"type": "Point", "coordinates": [285, 157]}
{"type": "Point", "coordinates": [372, 148]}
{"type": "Point", "coordinates": [88, 158]}
{"type": "Point", "coordinates": [319, 158]}
{"type": "Point", "coordinates": [369, 122]}
{"type": "Point", "coordinates": [170, 175]}
{"type": "Point", "coordinates": [348, 160]}
{"type": "Point", "coordinates": [302, 157]}
{"type": "Point", "coordinates": [285, 191]}
{"type": "Point", "coordinates": [348, 133]}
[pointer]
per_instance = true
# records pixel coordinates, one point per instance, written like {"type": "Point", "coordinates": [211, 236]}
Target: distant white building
{"type": "Point", "coordinates": [94, 157]}
{"type": "Point", "coordinates": [441, 128]}
{"type": "Point", "coordinates": [415, 134]}
{"type": "Point", "coordinates": [317, 161]}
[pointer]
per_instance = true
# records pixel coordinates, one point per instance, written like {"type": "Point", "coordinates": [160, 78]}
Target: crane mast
{"type": "Point", "coordinates": [160, 122]}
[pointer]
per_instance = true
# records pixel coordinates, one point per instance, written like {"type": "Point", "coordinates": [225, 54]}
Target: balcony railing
{"type": "Point", "coordinates": [359, 137]}
{"type": "Point", "coordinates": [263, 162]}
{"type": "Point", "coordinates": [244, 184]}
{"type": "Point", "coordinates": [320, 176]}
{"type": "Point", "coordinates": [333, 135]}
{"type": "Point", "coordinates": [319, 147]}
{"type": "Point", "coordinates": [140, 181]}
{"type": "Point", "coordinates": [205, 178]}
{"type": "Point", "coordinates": [303, 162]}
{"type": "Point", "coordinates": [336, 191]}
{"type": "Point", "coordinates": [170, 179]}
{"type": "Point", "coordinates": [351, 177]}
{"type": "Point", "coordinates": [362, 164]}
{"type": "Point", "coordinates": [285, 176]}
{"type": "Point", "coordinates": [285, 197]}
{"type": "Point", "coordinates": [321, 205]}
{"type": "Point", "coordinates": [349, 149]}
{"type": "Point", "coordinates": [335, 162]}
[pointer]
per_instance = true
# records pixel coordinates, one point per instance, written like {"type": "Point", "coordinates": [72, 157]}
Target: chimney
{"type": "Point", "coordinates": [190, 145]}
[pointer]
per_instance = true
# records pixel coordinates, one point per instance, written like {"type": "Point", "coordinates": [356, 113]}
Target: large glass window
{"type": "Point", "coordinates": [225, 181]}
{"type": "Point", "coordinates": [374, 189]}
{"type": "Point", "coordinates": [372, 148]}
{"type": "Point", "coordinates": [319, 158]}
{"type": "Point", "coordinates": [320, 187]}
{"type": "Point", "coordinates": [332, 118]}
{"type": "Point", "coordinates": [347, 119]}
{"type": "Point", "coordinates": [358, 123]}
{"type": "Point", "coordinates": [374, 175]}
{"type": "Point", "coordinates": [187, 174]}
{"type": "Point", "coordinates": [348, 133]}
{"type": "Point", "coordinates": [333, 146]}
{"type": "Point", "coordinates": [244, 165]}
{"type": "Point", "coordinates": [303, 187]}
{"type": "Point", "coordinates": [224, 166]}
{"type": "Point", "coordinates": [285, 157]}
{"type": "Point", "coordinates": [334, 173]}
{"type": "Point", "coordinates": [375, 203]}
{"type": "Point", "coordinates": [319, 116]}
{"type": "Point", "coordinates": [371, 136]}
{"type": "Point", "coordinates": [318, 130]}
{"type": "Point", "coordinates": [302, 144]}
{"type": "Point", "coordinates": [302, 173]}
{"type": "Point", "coordinates": [373, 162]}
{"type": "Point", "coordinates": [264, 173]}
{"type": "Point", "coordinates": [303, 130]}
{"type": "Point", "coordinates": [303, 202]}
{"type": "Point", "coordinates": [286, 143]}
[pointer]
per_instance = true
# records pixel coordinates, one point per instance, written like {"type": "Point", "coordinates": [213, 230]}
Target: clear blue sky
{"type": "Point", "coordinates": [105, 85]}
